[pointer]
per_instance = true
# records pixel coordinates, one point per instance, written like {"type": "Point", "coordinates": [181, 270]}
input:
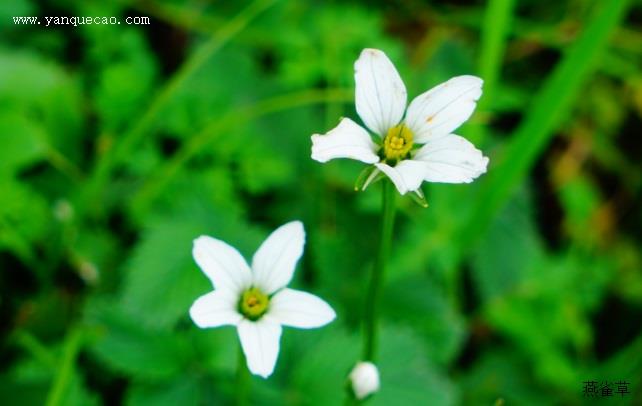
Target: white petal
{"type": "Point", "coordinates": [300, 309]}
{"type": "Point", "coordinates": [380, 93]}
{"type": "Point", "coordinates": [347, 140]}
{"type": "Point", "coordinates": [274, 262]}
{"type": "Point", "coordinates": [215, 309]}
{"type": "Point", "coordinates": [443, 108]}
{"type": "Point", "coordinates": [451, 159]}
{"type": "Point", "coordinates": [260, 342]}
{"type": "Point", "coordinates": [407, 175]}
{"type": "Point", "coordinates": [222, 263]}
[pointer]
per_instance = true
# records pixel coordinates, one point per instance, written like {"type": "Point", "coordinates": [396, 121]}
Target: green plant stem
{"type": "Point", "coordinates": [376, 279]}
{"type": "Point", "coordinates": [242, 391]}
{"type": "Point", "coordinates": [65, 372]}
{"type": "Point", "coordinates": [35, 348]}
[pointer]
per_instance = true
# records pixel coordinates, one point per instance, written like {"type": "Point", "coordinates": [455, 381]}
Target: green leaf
{"type": "Point", "coordinates": [409, 376]}
{"type": "Point", "coordinates": [185, 390]}
{"type": "Point", "coordinates": [320, 376]}
{"type": "Point", "coordinates": [128, 348]}
{"type": "Point", "coordinates": [511, 251]}
{"type": "Point", "coordinates": [625, 365]}
{"type": "Point", "coordinates": [522, 318]}
{"type": "Point", "coordinates": [118, 97]}
{"type": "Point", "coordinates": [262, 167]}
{"type": "Point", "coordinates": [325, 44]}
{"type": "Point", "coordinates": [24, 218]}
{"type": "Point", "coordinates": [22, 142]}
{"type": "Point", "coordinates": [204, 95]}
{"type": "Point", "coordinates": [45, 95]}
{"type": "Point", "coordinates": [416, 302]}
{"type": "Point", "coordinates": [504, 375]}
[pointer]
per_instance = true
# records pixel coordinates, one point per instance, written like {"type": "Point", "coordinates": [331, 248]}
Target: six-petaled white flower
{"type": "Point", "coordinates": [256, 300]}
{"type": "Point", "coordinates": [429, 120]}
{"type": "Point", "coordinates": [364, 379]}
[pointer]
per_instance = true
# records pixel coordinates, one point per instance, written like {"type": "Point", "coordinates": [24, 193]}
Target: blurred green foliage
{"type": "Point", "coordinates": [121, 144]}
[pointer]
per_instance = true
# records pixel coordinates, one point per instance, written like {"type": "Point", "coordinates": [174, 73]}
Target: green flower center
{"type": "Point", "coordinates": [253, 303]}
{"type": "Point", "coordinates": [397, 143]}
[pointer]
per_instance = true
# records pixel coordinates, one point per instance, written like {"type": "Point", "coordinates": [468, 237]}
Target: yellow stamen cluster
{"type": "Point", "coordinates": [253, 303]}
{"type": "Point", "coordinates": [397, 143]}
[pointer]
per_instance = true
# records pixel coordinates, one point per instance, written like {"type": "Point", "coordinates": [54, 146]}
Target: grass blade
{"type": "Point", "coordinates": [497, 24]}
{"type": "Point", "coordinates": [549, 110]}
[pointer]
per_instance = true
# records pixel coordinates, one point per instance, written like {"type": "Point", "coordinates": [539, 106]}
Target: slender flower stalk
{"type": "Point", "coordinates": [412, 143]}
{"type": "Point", "coordinates": [378, 271]}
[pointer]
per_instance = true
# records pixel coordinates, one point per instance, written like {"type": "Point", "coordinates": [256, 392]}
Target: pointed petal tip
{"type": "Point", "coordinates": [299, 309]}
{"type": "Point", "coordinates": [373, 51]}
{"type": "Point", "coordinates": [380, 94]}
{"type": "Point", "coordinates": [260, 343]}
{"type": "Point", "coordinates": [296, 225]}
{"type": "Point", "coordinates": [332, 316]}
{"type": "Point", "coordinates": [474, 80]}
{"type": "Point", "coordinates": [198, 239]}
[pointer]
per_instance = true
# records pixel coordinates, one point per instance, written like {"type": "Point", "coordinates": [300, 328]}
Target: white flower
{"type": "Point", "coordinates": [429, 120]}
{"type": "Point", "coordinates": [256, 300]}
{"type": "Point", "coordinates": [364, 379]}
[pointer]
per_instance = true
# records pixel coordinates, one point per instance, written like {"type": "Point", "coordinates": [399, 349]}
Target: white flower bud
{"type": "Point", "coordinates": [364, 379]}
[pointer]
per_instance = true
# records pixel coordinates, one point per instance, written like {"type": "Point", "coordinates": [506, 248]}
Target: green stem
{"type": "Point", "coordinates": [376, 280]}
{"type": "Point", "coordinates": [35, 348]}
{"type": "Point", "coordinates": [65, 373]}
{"type": "Point", "coordinates": [242, 381]}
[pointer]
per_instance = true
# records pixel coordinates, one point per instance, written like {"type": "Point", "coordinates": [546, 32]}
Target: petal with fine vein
{"type": "Point", "coordinates": [451, 159]}
{"type": "Point", "coordinates": [406, 175]}
{"type": "Point", "coordinates": [274, 262]}
{"type": "Point", "coordinates": [443, 108]}
{"type": "Point", "coordinates": [380, 93]}
{"type": "Point", "coordinates": [222, 264]}
{"type": "Point", "coordinates": [260, 342]}
{"type": "Point", "coordinates": [347, 140]}
{"type": "Point", "coordinates": [300, 309]}
{"type": "Point", "coordinates": [215, 309]}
